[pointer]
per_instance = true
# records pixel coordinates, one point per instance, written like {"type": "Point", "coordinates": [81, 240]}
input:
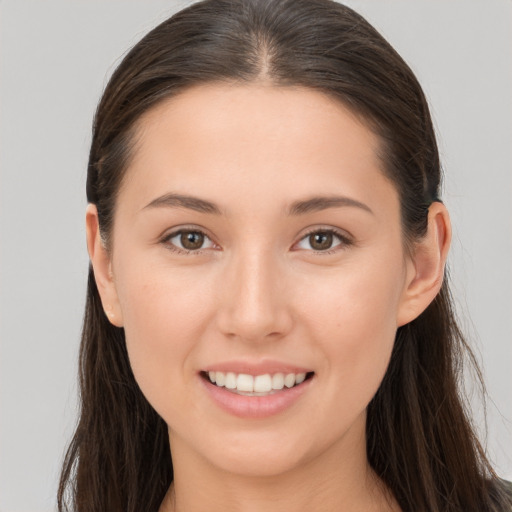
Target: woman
{"type": "Point", "coordinates": [268, 325]}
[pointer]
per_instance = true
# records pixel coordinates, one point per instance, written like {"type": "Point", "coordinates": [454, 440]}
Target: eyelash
{"type": "Point", "coordinates": [167, 238]}
{"type": "Point", "coordinates": [344, 240]}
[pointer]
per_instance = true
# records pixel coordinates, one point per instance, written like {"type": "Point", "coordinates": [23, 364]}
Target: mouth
{"type": "Point", "coordinates": [256, 385]}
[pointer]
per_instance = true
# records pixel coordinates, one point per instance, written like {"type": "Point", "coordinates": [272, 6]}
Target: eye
{"type": "Point", "coordinates": [188, 240]}
{"type": "Point", "coordinates": [323, 240]}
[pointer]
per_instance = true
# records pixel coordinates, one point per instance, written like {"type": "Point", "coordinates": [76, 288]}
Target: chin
{"type": "Point", "coordinates": [263, 453]}
{"type": "Point", "coordinates": [264, 463]}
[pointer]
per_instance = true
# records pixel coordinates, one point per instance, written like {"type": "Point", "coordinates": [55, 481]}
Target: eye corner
{"type": "Point", "coordinates": [330, 236]}
{"type": "Point", "coordinates": [179, 245]}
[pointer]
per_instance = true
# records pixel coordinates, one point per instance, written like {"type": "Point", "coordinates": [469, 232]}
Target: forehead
{"type": "Point", "coordinates": [253, 141]}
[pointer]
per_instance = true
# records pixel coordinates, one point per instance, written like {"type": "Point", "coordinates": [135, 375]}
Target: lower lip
{"type": "Point", "coordinates": [255, 406]}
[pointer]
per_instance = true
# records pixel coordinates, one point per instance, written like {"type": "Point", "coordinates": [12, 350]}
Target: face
{"type": "Point", "coordinates": [258, 244]}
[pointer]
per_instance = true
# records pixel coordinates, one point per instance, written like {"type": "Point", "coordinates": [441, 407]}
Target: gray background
{"type": "Point", "coordinates": [55, 57]}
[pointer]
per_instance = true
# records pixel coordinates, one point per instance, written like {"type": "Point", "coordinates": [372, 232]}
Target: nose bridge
{"type": "Point", "coordinates": [254, 305]}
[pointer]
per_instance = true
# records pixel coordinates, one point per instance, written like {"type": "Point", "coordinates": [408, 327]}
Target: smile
{"type": "Point", "coordinates": [257, 385]}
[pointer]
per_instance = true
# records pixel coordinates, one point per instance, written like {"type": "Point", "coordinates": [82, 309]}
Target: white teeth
{"type": "Point", "coordinates": [289, 380]}
{"type": "Point", "coordinates": [259, 384]}
{"type": "Point", "coordinates": [245, 383]}
{"type": "Point", "coordinates": [230, 380]}
{"type": "Point", "coordinates": [278, 381]}
{"type": "Point", "coordinates": [263, 383]}
{"type": "Point", "coordinates": [220, 379]}
{"type": "Point", "coordinates": [300, 377]}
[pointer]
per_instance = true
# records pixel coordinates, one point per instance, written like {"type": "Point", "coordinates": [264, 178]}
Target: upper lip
{"type": "Point", "coordinates": [255, 367]}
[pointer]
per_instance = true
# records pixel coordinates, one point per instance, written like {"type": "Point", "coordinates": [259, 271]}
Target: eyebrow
{"type": "Point", "coordinates": [182, 201]}
{"type": "Point", "coordinates": [316, 204]}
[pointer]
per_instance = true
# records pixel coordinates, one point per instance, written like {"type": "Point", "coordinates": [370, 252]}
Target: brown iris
{"type": "Point", "coordinates": [321, 241]}
{"type": "Point", "coordinates": [191, 240]}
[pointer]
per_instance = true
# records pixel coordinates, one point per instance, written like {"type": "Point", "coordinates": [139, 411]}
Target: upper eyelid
{"type": "Point", "coordinates": [342, 234]}
{"type": "Point", "coordinates": [345, 241]}
{"type": "Point", "coordinates": [172, 232]}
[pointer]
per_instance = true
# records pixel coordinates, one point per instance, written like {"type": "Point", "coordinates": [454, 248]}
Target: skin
{"type": "Point", "coordinates": [260, 291]}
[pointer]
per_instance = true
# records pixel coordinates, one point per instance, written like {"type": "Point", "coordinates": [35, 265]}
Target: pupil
{"type": "Point", "coordinates": [192, 240]}
{"type": "Point", "coordinates": [321, 241]}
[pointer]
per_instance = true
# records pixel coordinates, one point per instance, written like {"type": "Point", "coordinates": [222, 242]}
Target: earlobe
{"type": "Point", "coordinates": [426, 271]}
{"type": "Point", "coordinates": [102, 266]}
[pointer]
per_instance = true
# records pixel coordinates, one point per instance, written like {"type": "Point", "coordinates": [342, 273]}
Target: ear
{"type": "Point", "coordinates": [102, 266]}
{"type": "Point", "coordinates": [426, 265]}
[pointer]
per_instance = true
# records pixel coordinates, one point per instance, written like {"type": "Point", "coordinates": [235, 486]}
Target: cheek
{"type": "Point", "coordinates": [354, 324]}
{"type": "Point", "coordinates": [163, 318]}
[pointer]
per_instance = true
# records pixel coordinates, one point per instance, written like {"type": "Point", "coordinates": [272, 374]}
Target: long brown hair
{"type": "Point", "coordinates": [419, 438]}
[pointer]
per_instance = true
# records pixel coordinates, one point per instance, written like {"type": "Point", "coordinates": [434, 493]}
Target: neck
{"type": "Point", "coordinates": [338, 479]}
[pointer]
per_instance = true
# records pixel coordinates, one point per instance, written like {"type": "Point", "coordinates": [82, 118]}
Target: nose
{"type": "Point", "coordinates": [254, 305]}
